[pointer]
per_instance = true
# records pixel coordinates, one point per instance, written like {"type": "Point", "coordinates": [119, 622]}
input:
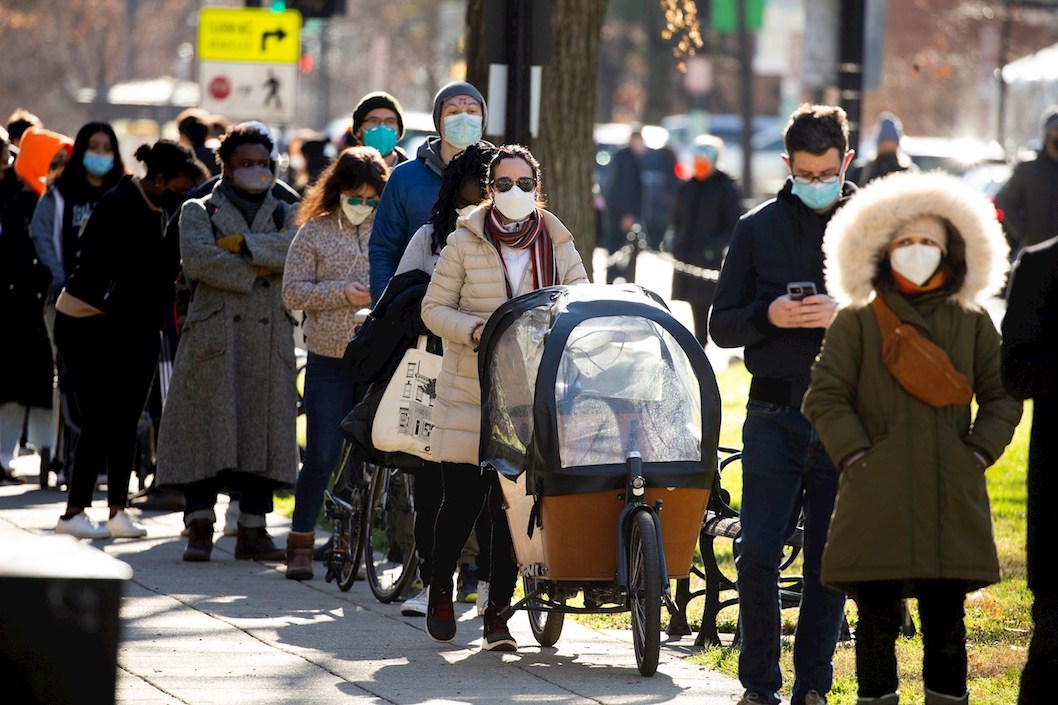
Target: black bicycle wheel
{"type": "Point", "coordinates": [644, 591]}
{"type": "Point", "coordinates": [389, 549]}
{"type": "Point", "coordinates": [546, 624]}
{"type": "Point", "coordinates": [345, 508]}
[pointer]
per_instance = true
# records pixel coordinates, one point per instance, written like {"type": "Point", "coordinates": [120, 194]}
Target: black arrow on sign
{"type": "Point", "coordinates": [279, 34]}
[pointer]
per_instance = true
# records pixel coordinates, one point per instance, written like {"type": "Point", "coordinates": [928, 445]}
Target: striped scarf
{"type": "Point", "coordinates": [542, 255]}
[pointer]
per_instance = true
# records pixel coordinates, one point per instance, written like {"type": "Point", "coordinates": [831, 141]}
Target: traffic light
{"type": "Point", "coordinates": [307, 8]}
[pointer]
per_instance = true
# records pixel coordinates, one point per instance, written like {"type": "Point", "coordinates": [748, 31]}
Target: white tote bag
{"type": "Point", "coordinates": [403, 420]}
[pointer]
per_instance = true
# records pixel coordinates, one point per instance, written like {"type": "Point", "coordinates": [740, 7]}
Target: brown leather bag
{"type": "Point", "coordinates": [921, 367]}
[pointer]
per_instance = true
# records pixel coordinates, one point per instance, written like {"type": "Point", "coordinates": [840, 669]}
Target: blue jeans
{"type": "Point", "coordinates": [784, 470]}
{"type": "Point", "coordinates": [329, 397]}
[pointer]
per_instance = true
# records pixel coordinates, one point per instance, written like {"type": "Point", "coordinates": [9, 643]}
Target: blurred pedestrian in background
{"type": "Point", "coordinates": [1030, 370]}
{"type": "Point", "coordinates": [1029, 196]}
{"type": "Point", "coordinates": [706, 211]}
{"type": "Point", "coordinates": [326, 276]}
{"type": "Point", "coordinates": [623, 192]}
{"type": "Point", "coordinates": [108, 325]}
{"type": "Point", "coordinates": [378, 121]}
{"type": "Point", "coordinates": [18, 122]}
{"type": "Point", "coordinates": [505, 247]}
{"type": "Point", "coordinates": [460, 116]}
{"type": "Point", "coordinates": [229, 419]}
{"type": "Point", "coordinates": [785, 470]}
{"type": "Point", "coordinates": [193, 125]}
{"type": "Point", "coordinates": [26, 361]}
{"type": "Point", "coordinates": [887, 157]}
{"type": "Point", "coordinates": [912, 516]}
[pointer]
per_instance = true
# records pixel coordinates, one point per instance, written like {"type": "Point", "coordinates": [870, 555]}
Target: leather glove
{"type": "Point", "coordinates": [234, 244]}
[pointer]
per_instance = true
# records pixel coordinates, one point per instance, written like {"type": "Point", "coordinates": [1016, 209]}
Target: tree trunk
{"type": "Point", "coordinates": [477, 69]}
{"type": "Point", "coordinates": [565, 146]}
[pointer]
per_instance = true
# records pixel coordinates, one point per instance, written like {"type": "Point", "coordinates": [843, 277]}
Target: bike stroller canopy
{"type": "Point", "coordinates": [575, 378]}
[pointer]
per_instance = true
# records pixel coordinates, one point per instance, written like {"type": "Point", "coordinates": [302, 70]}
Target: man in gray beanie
{"type": "Point", "coordinates": [459, 114]}
{"type": "Point", "coordinates": [1027, 200]}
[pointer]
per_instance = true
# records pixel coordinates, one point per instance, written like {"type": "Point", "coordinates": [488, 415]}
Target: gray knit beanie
{"type": "Point", "coordinates": [450, 91]}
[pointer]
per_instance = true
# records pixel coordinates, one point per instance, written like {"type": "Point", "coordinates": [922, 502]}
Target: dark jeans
{"type": "Point", "coordinates": [329, 397]}
{"type": "Point", "coordinates": [255, 493]}
{"type": "Point", "coordinates": [109, 366]}
{"type": "Point", "coordinates": [465, 492]}
{"type": "Point", "coordinates": [784, 471]}
{"type": "Point", "coordinates": [940, 608]}
{"type": "Point", "coordinates": [1037, 686]}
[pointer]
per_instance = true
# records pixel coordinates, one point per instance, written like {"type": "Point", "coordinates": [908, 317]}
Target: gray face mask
{"type": "Point", "coordinates": [253, 179]}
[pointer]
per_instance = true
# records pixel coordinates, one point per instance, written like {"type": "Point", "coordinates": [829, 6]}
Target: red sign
{"type": "Point", "coordinates": [220, 87]}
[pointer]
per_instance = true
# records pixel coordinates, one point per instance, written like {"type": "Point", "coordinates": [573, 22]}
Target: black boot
{"type": "Point", "coordinates": [255, 544]}
{"type": "Point", "coordinates": [199, 540]}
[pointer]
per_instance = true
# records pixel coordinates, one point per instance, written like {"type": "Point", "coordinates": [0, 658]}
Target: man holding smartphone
{"type": "Point", "coordinates": [771, 300]}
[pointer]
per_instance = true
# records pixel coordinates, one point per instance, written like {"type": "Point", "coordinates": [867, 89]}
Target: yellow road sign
{"type": "Point", "coordinates": [249, 34]}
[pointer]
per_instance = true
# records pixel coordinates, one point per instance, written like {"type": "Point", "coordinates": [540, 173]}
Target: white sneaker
{"type": "Point", "coordinates": [122, 526]}
{"type": "Point", "coordinates": [231, 519]}
{"type": "Point", "coordinates": [483, 597]}
{"type": "Point", "coordinates": [416, 606]}
{"type": "Point", "coordinates": [82, 527]}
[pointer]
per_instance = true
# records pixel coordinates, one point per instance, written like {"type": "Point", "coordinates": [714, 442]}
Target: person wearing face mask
{"type": "Point", "coordinates": [1027, 199]}
{"type": "Point", "coordinates": [95, 166]}
{"type": "Point", "coordinates": [912, 256]}
{"type": "Point", "coordinates": [462, 189]}
{"type": "Point", "coordinates": [507, 246]}
{"type": "Point", "coordinates": [228, 423]}
{"type": "Point", "coordinates": [460, 116]}
{"type": "Point", "coordinates": [326, 276]}
{"type": "Point", "coordinates": [888, 157]}
{"type": "Point", "coordinates": [706, 210]}
{"type": "Point", "coordinates": [785, 470]}
{"type": "Point", "coordinates": [118, 293]}
{"type": "Point", "coordinates": [378, 121]}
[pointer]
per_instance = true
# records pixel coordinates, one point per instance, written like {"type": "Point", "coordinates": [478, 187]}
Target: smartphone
{"type": "Point", "coordinates": [799, 290]}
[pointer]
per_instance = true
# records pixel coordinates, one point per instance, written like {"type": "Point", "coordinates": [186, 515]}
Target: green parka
{"type": "Point", "coordinates": [915, 505]}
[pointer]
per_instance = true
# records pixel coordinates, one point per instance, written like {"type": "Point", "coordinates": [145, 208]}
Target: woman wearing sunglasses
{"type": "Point", "coordinates": [507, 246]}
{"type": "Point", "coordinates": [326, 276]}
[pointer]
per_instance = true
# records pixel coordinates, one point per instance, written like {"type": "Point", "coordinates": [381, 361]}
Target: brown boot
{"type": "Point", "coordinates": [255, 544]}
{"type": "Point", "coordinates": [299, 555]}
{"type": "Point", "coordinates": [199, 540]}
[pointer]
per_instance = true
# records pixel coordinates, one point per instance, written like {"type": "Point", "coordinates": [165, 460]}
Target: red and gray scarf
{"type": "Point", "coordinates": [531, 233]}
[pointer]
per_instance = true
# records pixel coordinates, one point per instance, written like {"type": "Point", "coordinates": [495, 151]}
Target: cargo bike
{"type": "Point", "coordinates": [601, 416]}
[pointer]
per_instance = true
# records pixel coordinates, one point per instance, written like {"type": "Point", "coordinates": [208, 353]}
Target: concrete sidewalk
{"type": "Point", "coordinates": [232, 632]}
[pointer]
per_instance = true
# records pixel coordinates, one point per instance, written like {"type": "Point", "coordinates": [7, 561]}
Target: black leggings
{"type": "Point", "coordinates": [940, 608]}
{"type": "Point", "coordinates": [109, 366]}
{"type": "Point", "coordinates": [465, 492]}
{"type": "Point", "coordinates": [428, 490]}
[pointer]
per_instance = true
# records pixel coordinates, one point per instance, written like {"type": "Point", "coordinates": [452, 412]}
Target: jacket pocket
{"type": "Point", "coordinates": [207, 330]}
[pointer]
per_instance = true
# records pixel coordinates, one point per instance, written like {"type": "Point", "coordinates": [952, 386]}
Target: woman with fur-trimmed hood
{"type": "Point", "coordinates": [912, 516]}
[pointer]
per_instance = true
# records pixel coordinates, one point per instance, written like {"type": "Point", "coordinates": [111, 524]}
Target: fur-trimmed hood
{"type": "Point", "coordinates": [859, 232]}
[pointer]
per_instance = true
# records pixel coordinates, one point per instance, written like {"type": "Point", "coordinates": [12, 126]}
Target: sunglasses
{"type": "Point", "coordinates": [357, 201]}
{"type": "Point", "coordinates": [506, 183]}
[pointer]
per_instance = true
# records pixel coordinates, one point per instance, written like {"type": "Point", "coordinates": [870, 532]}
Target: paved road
{"type": "Point", "coordinates": [233, 632]}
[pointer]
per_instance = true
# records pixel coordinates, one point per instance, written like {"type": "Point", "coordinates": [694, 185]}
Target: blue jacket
{"type": "Point", "coordinates": [406, 204]}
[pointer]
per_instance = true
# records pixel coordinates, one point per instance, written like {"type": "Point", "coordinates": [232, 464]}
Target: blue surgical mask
{"type": "Point", "coordinates": [98, 164]}
{"type": "Point", "coordinates": [382, 137]}
{"type": "Point", "coordinates": [462, 129]}
{"type": "Point", "coordinates": [816, 195]}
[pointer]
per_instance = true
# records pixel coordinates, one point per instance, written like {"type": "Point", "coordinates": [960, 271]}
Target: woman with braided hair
{"type": "Point", "coordinates": [507, 246]}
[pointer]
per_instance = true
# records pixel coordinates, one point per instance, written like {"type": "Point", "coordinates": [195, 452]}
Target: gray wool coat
{"type": "Point", "coordinates": [232, 399]}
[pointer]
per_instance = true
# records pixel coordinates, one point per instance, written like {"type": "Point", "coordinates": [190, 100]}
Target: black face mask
{"type": "Point", "coordinates": [1054, 143]}
{"type": "Point", "coordinates": [168, 201]}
